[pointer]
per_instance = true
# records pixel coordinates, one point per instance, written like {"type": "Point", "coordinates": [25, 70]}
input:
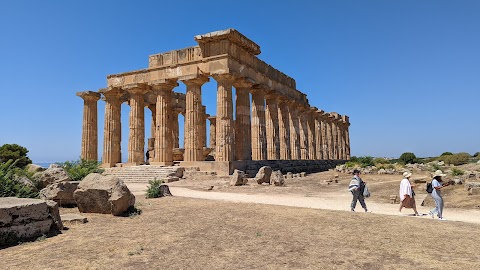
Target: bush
{"type": "Point", "coordinates": [457, 172]}
{"type": "Point", "coordinates": [11, 188]}
{"type": "Point", "coordinates": [153, 190]}
{"type": "Point", "coordinates": [477, 154]}
{"type": "Point", "coordinates": [408, 158]}
{"type": "Point", "coordinates": [77, 170]}
{"type": "Point", "coordinates": [456, 159]}
{"type": "Point", "coordinates": [446, 154]}
{"type": "Point", "coordinates": [350, 164]}
{"type": "Point", "coordinates": [15, 153]}
{"type": "Point", "coordinates": [377, 161]}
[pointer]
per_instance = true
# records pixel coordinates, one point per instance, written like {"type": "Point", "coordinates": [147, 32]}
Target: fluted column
{"type": "Point", "coordinates": [175, 130]}
{"type": "Point", "coordinates": [325, 128]}
{"type": "Point", "coordinates": [163, 122]}
{"type": "Point", "coordinates": [213, 131]}
{"type": "Point", "coordinates": [272, 127]}
{"type": "Point", "coordinates": [312, 143]}
{"type": "Point", "coordinates": [243, 134]}
{"type": "Point", "coordinates": [259, 142]}
{"type": "Point", "coordinates": [193, 150]}
{"type": "Point", "coordinates": [112, 132]}
{"type": "Point", "coordinates": [294, 130]}
{"type": "Point", "coordinates": [318, 136]}
{"type": "Point", "coordinates": [89, 149]}
{"type": "Point", "coordinates": [334, 127]}
{"type": "Point", "coordinates": [136, 139]}
{"type": "Point", "coordinates": [329, 135]}
{"type": "Point", "coordinates": [346, 120]}
{"type": "Point", "coordinates": [224, 134]}
{"type": "Point", "coordinates": [153, 109]}
{"type": "Point", "coordinates": [303, 130]}
{"type": "Point", "coordinates": [203, 128]}
{"type": "Point", "coordinates": [284, 129]}
{"type": "Point", "coordinates": [341, 139]}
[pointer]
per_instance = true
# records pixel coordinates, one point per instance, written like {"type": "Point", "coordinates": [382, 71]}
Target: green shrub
{"type": "Point", "coordinates": [446, 154]}
{"type": "Point", "coordinates": [77, 170]}
{"type": "Point", "coordinates": [14, 152]}
{"type": "Point", "coordinates": [477, 154]}
{"type": "Point", "coordinates": [380, 161]}
{"type": "Point", "coordinates": [350, 164]}
{"type": "Point", "coordinates": [457, 172]}
{"type": "Point", "coordinates": [11, 188]}
{"type": "Point", "coordinates": [408, 158]}
{"type": "Point", "coordinates": [365, 161]}
{"type": "Point", "coordinates": [456, 159]}
{"type": "Point", "coordinates": [436, 167]}
{"type": "Point", "coordinates": [153, 190]}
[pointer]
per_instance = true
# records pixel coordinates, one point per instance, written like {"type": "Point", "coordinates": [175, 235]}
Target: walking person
{"type": "Point", "coordinates": [437, 184]}
{"type": "Point", "coordinates": [357, 186]}
{"type": "Point", "coordinates": [407, 195]}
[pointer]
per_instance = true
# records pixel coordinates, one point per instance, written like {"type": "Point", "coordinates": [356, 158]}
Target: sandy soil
{"type": "Point", "coordinates": [242, 228]}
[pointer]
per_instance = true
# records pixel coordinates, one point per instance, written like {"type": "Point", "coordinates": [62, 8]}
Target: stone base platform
{"type": "Point", "coordinates": [251, 167]}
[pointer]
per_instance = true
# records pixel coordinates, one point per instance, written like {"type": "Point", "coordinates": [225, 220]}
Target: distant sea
{"type": "Point", "coordinates": [44, 164]}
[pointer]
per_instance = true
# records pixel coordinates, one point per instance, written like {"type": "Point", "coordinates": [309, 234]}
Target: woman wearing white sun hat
{"type": "Point", "coordinates": [407, 198]}
{"type": "Point", "coordinates": [437, 185]}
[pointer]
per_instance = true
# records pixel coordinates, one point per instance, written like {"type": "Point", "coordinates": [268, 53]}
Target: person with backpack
{"type": "Point", "coordinates": [356, 187]}
{"type": "Point", "coordinates": [407, 196]}
{"type": "Point", "coordinates": [437, 185]}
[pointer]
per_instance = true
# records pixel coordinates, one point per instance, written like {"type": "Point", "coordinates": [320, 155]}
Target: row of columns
{"type": "Point", "coordinates": [272, 128]}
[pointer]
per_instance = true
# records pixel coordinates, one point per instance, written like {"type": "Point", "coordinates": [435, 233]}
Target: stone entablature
{"type": "Point", "coordinates": [278, 123]}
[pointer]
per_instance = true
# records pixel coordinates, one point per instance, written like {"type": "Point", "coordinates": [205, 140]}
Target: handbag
{"type": "Point", "coordinates": [366, 192]}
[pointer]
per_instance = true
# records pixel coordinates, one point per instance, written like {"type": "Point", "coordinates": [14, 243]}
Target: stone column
{"type": "Point", "coordinates": [202, 127]}
{"type": "Point", "coordinates": [259, 142]}
{"type": "Point", "coordinates": [312, 143]}
{"type": "Point", "coordinates": [175, 130]}
{"type": "Point", "coordinates": [347, 137]}
{"type": "Point", "coordinates": [335, 142]}
{"type": "Point", "coordinates": [329, 135]}
{"type": "Point", "coordinates": [294, 130]}
{"type": "Point", "coordinates": [224, 131]}
{"type": "Point", "coordinates": [272, 127]}
{"type": "Point", "coordinates": [89, 126]}
{"type": "Point", "coordinates": [112, 133]}
{"type": "Point", "coordinates": [284, 129]}
{"type": "Point", "coordinates": [341, 139]}
{"type": "Point", "coordinates": [243, 134]}
{"type": "Point", "coordinates": [325, 128]}
{"type": "Point", "coordinates": [162, 90]}
{"type": "Point", "coordinates": [153, 109]}
{"type": "Point", "coordinates": [318, 136]}
{"type": "Point", "coordinates": [136, 140]}
{"type": "Point", "coordinates": [193, 150]}
{"type": "Point", "coordinates": [303, 132]}
{"type": "Point", "coordinates": [213, 131]}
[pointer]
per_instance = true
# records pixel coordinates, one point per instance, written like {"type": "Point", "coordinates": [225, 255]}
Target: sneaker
{"type": "Point", "coordinates": [366, 210]}
{"type": "Point", "coordinates": [442, 219]}
{"type": "Point", "coordinates": [353, 210]}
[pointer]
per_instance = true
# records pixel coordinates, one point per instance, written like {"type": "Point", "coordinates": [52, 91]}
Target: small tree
{"type": "Point", "coordinates": [407, 158]}
{"type": "Point", "coordinates": [446, 154]}
{"type": "Point", "coordinates": [16, 153]}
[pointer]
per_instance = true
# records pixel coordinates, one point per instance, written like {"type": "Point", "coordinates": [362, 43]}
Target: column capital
{"type": "Point", "coordinates": [89, 95]}
{"type": "Point", "coordinates": [271, 94]}
{"type": "Point", "coordinates": [243, 83]}
{"type": "Point", "coordinates": [163, 85]}
{"type": "Point", "coordinates": [212, 118]}
{"type": "Point", "coordinates": [194, 80]}
{"type": "Point", "coordinates": [136, 88]}
{"type": "Point", "coordinates": [224, 77]}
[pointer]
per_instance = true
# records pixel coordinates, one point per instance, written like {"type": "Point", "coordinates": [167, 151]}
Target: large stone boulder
{"type": "Point", "coordinates": [50, 176]}
{"type": "Point", "coordinates": [60, 192]}
{"type": "Point", "coordinates": [107, 194]}
{"type": "Point", "coordinates": [25, 181]}
{"type": "Point", "coordinates": [263, 175]}
{"type": "Point", "coordinates": [277, 179]}
{"type": "Point", "coordinates": [238, 178]}
{"type": "Point", "coordinates": [27, 219]}
{"type": "Point", "coordinates": [33, 168]}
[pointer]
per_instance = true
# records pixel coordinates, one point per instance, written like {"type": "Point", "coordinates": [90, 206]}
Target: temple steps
{"type": "Point", "coordinates": [145, 173]}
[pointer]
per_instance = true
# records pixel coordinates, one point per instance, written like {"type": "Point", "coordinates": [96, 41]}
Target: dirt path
{"type": "Point", "coordinates": [339, 201]}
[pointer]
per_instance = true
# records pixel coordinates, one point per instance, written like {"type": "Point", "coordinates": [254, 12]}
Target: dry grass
{"type": "Point", "coordinates": [180, 233]}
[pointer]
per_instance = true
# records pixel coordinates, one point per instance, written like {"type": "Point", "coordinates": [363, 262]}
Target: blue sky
{"type": "Point", "coordinates": [406, 72]}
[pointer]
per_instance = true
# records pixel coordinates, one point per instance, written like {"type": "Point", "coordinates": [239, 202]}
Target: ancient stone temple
{"type": "Point", "coordinates": [273, 121]}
